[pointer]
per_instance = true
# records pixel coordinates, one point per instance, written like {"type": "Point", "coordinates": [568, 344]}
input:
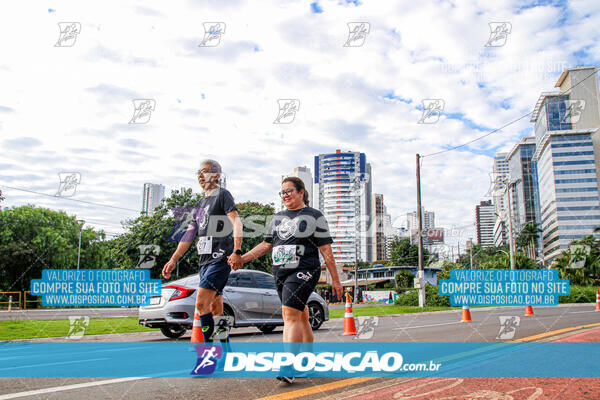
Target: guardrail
{"type": "Point", "coordinates": [13, 300]}
{"type": "Point", "coordinates": [25, 301]}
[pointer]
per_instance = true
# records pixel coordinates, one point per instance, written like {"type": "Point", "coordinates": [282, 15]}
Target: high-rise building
{"type": "Point", "coordinates": [390, 233]}
{"type": "Point", "coordinates": [343, 192]}
{"type": "Point", "coordinates": [379, 213]}
{"type": "Point", "coordinates": [305, 175]}
{"type": "Point", "coordinates": [431, 235]}
{"type": "Point", "coordinates": [151, 197]}
{"type": "Point", "coordinates": [500, 179]}
{"type": "Point", "coordinates": [428, 220]}
{"type": "Point", "coordinates": [567, 154]}
{"type": "Point", "coordinates": [484, 223]}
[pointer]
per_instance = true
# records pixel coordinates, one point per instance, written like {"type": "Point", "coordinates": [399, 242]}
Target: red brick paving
{"type": "Point", "coordinates": [587, 336]}
{"type": "Point", "coordinates": [497, 388]}
{"type": "Point", "coordinates": [490, 389]}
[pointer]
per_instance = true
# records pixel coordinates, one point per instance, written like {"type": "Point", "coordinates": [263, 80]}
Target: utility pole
{"type": "Point", "coordinates": [357, 233]}
{"type": "Point", "coordinates": [421, 270]}
{"type": "Point", "coordinates": [80, 222]}
{"type": "Point", "coordinates": [511, 244]}
{"type": "Point", "coordinates": [471, 252]}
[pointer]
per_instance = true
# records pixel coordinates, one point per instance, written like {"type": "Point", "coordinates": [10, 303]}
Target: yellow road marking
{"type": "Point", "coordinates": [316, 389]}
{"type": "Point", "coordinates": [556, 332]}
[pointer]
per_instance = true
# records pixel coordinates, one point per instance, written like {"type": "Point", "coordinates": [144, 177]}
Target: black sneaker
{"type": "Point", "coordinates": [288, 380]}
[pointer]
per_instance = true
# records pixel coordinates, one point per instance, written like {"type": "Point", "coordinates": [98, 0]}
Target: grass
{"type": "Point", "coordinates": [379, 310]}
{"type": "Point", "coordinates": [30, 329]}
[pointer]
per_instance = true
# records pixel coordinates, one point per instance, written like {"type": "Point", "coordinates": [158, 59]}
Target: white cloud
{"type": "Point", "coordinates": [220, 102]}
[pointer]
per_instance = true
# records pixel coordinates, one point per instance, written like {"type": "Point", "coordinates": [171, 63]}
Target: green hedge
{"type": "Point", "coordinates": [579, 294]}
{"type": "Point", "coordinates": [432, 298]}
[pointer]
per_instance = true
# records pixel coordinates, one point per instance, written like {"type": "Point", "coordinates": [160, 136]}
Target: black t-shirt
{"type": "Point", "coordinates": [296, 236]}
{"type": "Point", "coordinates": [213, 227]}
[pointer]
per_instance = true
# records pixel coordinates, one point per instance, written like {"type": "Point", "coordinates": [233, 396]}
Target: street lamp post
{"type": "Point", "coordinates": [80, 222]}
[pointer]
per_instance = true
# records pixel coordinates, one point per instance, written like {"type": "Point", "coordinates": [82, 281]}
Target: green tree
{"type": "Point", "coordinates": [492, 257]}
{"type": "Point", "coordinates": [586, 252]}
{"type": "Point", "coordinates": [256, 218]}
{"type": "Point", "coordinates": [34, 238]}
{"type": "Point", "coordinates": [405, 253]}
{"type": "Point", "coordinates": [158, 229]}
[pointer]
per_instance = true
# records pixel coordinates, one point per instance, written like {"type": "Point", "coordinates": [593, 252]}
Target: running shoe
{"type": "Point", "coordinates": [288, 380]}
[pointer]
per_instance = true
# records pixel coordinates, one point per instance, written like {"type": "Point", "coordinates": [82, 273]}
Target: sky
{"type": "Point", "coordinates": [66, 103]}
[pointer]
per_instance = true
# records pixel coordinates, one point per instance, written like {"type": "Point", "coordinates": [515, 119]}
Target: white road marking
{"type": "Point", "coordinates": [426, 326]}
{"type": "Point", "coordinates": [67, 387]}
{"type": "Point", "coordinates": [579, 312]}
{"type": "Point", "coordinates": [55, 363]}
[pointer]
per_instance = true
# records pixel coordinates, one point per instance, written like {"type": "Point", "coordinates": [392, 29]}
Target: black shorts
{"type": "Point", "coordinates": [295, 288]}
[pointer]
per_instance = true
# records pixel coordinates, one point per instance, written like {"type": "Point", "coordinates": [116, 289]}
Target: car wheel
{"type": "Point", "coordinates": [227, 312]}
{"type": "Point", "coordinates": [266, 328]}
{"type": "Point", "coordinates": [172, 331]}
{"type": "Point", "coordinates": [315, 315]}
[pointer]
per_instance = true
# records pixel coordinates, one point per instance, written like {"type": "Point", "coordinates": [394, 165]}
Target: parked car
{"type": "Point", "coordinates": [249, 296]}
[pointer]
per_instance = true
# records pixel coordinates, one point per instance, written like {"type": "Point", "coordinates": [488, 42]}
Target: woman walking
{"type": "Point", "coordinates": [295, 236]}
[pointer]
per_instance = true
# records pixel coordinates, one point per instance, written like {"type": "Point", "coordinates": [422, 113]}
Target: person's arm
{"type": "Point", "coordinates": [336, 285]}
{"type": "Point", "coordinates": [258, 251]}
{"type": "Point", "coordinates": [182, 247]}
{"type": "Point", "coordinates": [238, 229]}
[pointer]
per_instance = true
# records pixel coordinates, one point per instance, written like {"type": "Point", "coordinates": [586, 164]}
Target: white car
{"type": "Point", "coordinates": [250, 297]}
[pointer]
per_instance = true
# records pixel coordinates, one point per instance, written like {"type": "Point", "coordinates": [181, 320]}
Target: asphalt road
{"type": "Point", "coordinates": [425, 327]}
{"type": "Point", "coordinates": [59, 313]}
{"type": "Point", "coordinates": [65, 312]}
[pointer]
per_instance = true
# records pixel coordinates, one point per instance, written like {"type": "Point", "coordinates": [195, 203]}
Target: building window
{"type": "Point", "coordinates": [556, 111]}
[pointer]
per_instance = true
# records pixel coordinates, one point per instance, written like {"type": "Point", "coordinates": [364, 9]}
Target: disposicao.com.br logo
{"type": "Point", "coordinates": [307, 363]}
{"type": "Point", "coordinates": [323, 362]}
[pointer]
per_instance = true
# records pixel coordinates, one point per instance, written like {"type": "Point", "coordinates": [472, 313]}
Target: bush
{"type": "Point", "coordinates": [389, 285]}
{"type": "Point", "coordinates": [404, 280]}
{"type": "Point", "coordinates": [579, 294]}
{"type": "Point", "coordinates": [432, 298]}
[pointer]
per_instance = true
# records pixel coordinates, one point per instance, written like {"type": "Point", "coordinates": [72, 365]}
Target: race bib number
{"type": "Point", "coordinates": [285, 254]}
{"type": "Point", "coordinates": [204, 245]}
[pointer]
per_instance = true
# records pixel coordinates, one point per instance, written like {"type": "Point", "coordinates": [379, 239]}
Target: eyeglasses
{"type": "Point", "coordinates": [286, 192]}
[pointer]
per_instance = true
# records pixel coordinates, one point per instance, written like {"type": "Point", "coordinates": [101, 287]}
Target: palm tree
{"type": "Point", "coordinates": [527, 239]}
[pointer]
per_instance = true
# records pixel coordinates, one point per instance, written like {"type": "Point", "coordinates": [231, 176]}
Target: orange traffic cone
{"type": "Point", "coordinates": [529, 311]}
{"type": "Point", "coordinates": [349, 326]}
{"type": "Point", "coordinates": [466, 314]}
{"type": "Point", "coordinates": [598, 300]}
{"type": "Point", "coordinates": [197, 336]}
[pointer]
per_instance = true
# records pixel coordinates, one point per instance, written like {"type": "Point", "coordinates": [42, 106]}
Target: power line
{"type": "Point", "coordinates": [504, 126]}
{"type": "Point", "coordinates": [68, 198]}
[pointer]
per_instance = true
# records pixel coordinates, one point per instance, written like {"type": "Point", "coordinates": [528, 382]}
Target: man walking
{"type": "Point", "coordinates": [219, 229]}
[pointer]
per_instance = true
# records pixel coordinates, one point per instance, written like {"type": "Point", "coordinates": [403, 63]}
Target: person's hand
{"type": "Point", "coordinates": [336, 288]}
{"type": "Point", "coordinates": [169, 266]}
{"type": "Point", "coordinates": [235, 261]}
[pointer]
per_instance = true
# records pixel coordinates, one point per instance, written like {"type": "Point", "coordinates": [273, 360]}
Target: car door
{"type": "Point", "coordinates": [271, 305]}
{"type": "Point", "coordinates": [244, 297]}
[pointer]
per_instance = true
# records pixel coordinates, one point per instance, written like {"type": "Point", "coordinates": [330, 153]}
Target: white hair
{"type": "Point", "coordinates": [215, 167]}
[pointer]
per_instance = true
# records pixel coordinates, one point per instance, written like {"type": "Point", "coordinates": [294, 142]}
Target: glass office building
{"type": "Point", "coordinates": [566, 149]}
